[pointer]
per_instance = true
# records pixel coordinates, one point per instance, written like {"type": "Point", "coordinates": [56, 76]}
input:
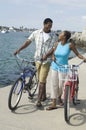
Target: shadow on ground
{"type": "Point", "coordinates": [79, 118]}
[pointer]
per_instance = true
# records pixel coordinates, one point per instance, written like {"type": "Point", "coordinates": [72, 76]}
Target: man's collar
{"type": "Point", "coordinates": [41, 30]}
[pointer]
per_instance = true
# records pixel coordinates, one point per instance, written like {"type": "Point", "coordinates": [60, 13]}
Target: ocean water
{"type": "Point", "coordinates": [9, 42]}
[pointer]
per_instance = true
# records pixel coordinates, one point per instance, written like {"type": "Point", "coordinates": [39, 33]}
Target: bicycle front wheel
{"type": "Point", "coordinates": [15, 94]}
{"type": "Point", "coordinates": [67, 104]}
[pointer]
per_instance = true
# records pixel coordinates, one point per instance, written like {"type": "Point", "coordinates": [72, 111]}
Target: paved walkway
{"type": "Point", "coordinates": [28, 117]}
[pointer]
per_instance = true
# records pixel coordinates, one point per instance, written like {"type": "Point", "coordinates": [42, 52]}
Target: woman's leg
{"type": "Point", "coordinates": [61, 86]}
{"type": "Point", "coordinates": [54, 84]}
{"type": "Point", "coordinates": [54, 89]}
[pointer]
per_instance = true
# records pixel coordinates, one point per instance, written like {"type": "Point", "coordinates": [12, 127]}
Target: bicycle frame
{"type": "Point", "coordinates": [72, 85]}
{"type": "Point", "coordinates": [27, 73]}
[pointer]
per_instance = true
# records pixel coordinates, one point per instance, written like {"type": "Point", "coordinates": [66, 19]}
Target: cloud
{"type": "Point", "coordinates": [73, 3]}
{"type": "Point", "coordinates": [84, 17]}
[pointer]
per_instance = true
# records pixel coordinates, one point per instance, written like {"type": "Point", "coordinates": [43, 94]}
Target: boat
{"type": "Point", "coordinates": [4, 31]}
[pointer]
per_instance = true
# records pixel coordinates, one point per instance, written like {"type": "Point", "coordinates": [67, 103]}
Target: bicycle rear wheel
{"type": "Point", "coordinates": [67, 104]}
{"type": "Point", "coordinates": [15, 94]}
{"type": "Point", "coordinates": [32, 85]}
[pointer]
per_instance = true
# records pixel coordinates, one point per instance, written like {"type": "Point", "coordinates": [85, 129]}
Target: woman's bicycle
{"type": "Point", "coordinates": [70, 77]}
{"type": "Point", "coordinates": [27, 81]}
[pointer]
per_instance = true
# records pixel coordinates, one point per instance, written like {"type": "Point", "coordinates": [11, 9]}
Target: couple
{"type": "Point", "coordinates": [47, 48]}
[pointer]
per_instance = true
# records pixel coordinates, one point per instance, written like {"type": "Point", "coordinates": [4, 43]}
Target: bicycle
{"type": "Point", "coordinates": [27, 81]}
{"type": "Point", "coordinates": [71, 87]}
{"type": "Point", "coordinates": [69, 74]}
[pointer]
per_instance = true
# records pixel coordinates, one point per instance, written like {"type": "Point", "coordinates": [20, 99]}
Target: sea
{"type": "Point", "coordinates": [9, 43]}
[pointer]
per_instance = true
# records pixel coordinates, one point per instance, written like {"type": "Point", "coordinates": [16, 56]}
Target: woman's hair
{"type": "Point", "coordinates": [67, 34]}
{"type": "Point", "coordinates": [47, 20]}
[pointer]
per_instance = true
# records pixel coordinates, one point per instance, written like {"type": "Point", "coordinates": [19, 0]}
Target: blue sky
{"type": "Point", "coordinates": [66, 14]}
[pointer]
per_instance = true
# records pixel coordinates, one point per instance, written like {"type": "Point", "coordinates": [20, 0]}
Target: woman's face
{"type": "Point", "coordinates": [62, 36]}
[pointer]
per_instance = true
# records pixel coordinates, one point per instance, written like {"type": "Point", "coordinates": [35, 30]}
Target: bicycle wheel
{"type": "Point", "coordinates": [32, 85]}
{"type": "Point", "coordinates": [15, 94]}
{"type": "Point", "coordinates": [67, 104]}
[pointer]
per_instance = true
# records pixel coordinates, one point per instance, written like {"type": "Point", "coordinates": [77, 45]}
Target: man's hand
{"type": "Point", "coordinates": [15, 53]}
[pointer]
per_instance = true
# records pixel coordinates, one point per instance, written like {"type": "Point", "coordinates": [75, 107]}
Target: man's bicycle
{"type": "Point", "coordinates": [27, 81]}
{"type": "Point", "coordinates": [70, 77]}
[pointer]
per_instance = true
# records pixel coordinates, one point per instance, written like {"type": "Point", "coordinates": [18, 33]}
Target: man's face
{"type": "Point", "coordinates": [48, 26]}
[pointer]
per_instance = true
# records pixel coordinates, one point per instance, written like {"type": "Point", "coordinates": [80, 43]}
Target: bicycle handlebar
{"type": "Point", "coordinates": [71, 66]}
{"type": "Point", "coordinates": [24, 60]}
{"type": "Point", "coordinates": [24, 63]}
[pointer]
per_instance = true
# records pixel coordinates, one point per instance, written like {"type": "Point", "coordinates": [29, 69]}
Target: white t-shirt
{"type": "Point", "coordinates": [46, 36]}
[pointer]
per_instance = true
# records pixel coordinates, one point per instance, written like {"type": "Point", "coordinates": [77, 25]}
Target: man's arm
{"type": "Point", "coordinates": [23, 46]}
{"type": "Point", "coordinates": [50, 52]}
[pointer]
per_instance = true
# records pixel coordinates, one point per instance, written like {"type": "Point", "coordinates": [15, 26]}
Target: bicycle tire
{"type": "Point", "coordinates": [32, 85]}
{"type": "Point", "coordinates": [67, 104]}
{"type": "Point", "coordinates": [16, 91]}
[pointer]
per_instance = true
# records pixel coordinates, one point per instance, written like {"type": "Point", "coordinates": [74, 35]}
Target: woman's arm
{"type": "Point", "coordinates": [73, 48]}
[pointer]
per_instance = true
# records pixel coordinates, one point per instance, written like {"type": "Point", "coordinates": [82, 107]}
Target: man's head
{"type": "Point", "coordinates": [47, 25]}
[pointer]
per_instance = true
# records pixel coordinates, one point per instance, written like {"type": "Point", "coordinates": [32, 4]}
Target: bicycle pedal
{"type": "Point", "coordinates": [77, 101]}
{"type": "Point", "coordinates": [26, 87]}
{"type": "Point", "coordinates": [24, 91]}
{"type": "Point", "coordinates": [30, 97]}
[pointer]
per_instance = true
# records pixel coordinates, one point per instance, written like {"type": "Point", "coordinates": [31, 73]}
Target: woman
{"type": "Point", "coordinates": [61, 53]}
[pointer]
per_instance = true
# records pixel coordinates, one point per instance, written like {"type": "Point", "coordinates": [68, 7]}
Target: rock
{"type": "Point", "coordinates": [80, 38]}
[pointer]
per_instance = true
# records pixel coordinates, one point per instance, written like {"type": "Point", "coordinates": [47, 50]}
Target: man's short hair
{"type": "Point", "coordinates": [47, 20]}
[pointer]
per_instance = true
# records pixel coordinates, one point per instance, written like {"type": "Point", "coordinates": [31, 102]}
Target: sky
{"type": "Point", "coordinates": [66, 14]}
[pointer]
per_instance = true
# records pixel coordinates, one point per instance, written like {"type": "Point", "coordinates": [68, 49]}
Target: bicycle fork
{"type": "Point", "coordinates": [72, 89]}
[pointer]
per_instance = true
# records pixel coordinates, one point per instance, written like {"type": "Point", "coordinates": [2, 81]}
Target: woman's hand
{"type": "Point", "coordinates": [84, 59]}
{"type": "Point", "coordinates": [44, 57]}
{"type": "Point", "coordinates": [53, 57]}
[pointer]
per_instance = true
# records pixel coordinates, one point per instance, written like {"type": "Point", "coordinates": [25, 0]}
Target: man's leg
{"type": "Point", "coordinates": [44, 69]}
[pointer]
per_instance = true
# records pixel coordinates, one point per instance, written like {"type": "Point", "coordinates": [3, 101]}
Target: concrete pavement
{"type": "Point", "coordinates": [28, 117]}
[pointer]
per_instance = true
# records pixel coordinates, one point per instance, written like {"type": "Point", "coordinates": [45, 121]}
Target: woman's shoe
{"type": "Point", "coordinates": [51, 108]}
{"type": "Point", "coordinates": [60, 102]}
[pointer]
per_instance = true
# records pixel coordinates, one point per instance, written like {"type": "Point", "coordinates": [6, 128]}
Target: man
{"type": "Point", "coordinates": [44, 39]}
